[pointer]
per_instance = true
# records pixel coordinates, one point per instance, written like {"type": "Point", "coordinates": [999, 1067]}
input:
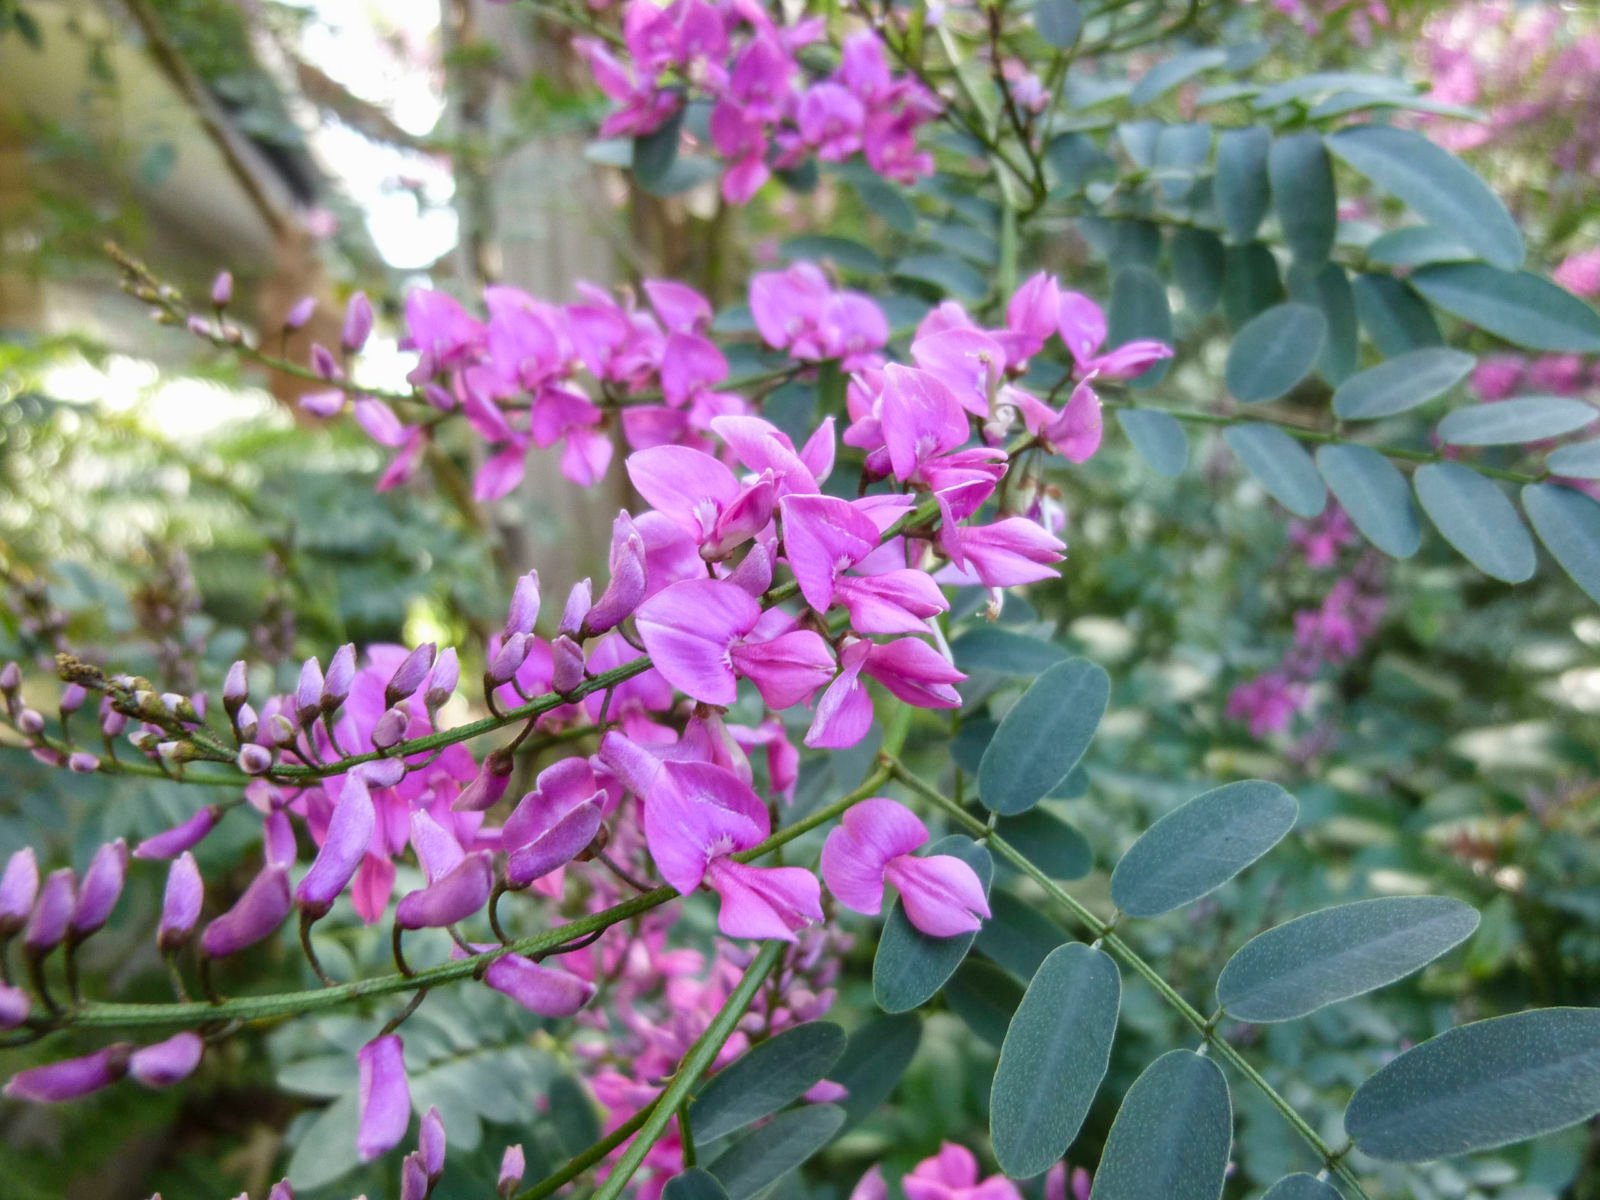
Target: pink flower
{"type": "Point", "coordinates": [1580, 272]}
{"type": "Point", "coordinates": [698, 634]}
{"type": "Point", "coordinates": [1005, 554]}
{"type": "Point", "coordinates": [1032, 315]}
{"type": "Point", "coordinates": [823, 537]}
{"type": "Point", "coordinates": [796, 310]}
{"type": "Point", "coordinates": [830, 120]}
{"type": "Point", "coordinates": [1498, 376]}
{"type": "Point", "coordinates": [385, 1096]}
{"type": "Point", "coordinates": [696, 815]}
{"type": "Point", "coordinates": [554, 823]}
{"type": "Point", "coordinates": [952, 1174]}
{"type": "Point", "coordinates": [702, 497]}
{"type": "Point", "coordinates": [922, 419]}
{"type": "Point", "coordinates": [872, 846]}
{"type": "Point", "coordinates": [1074, 432]}
{"type": "Point", "coordinates": [1083, 329]}
{"type": "Point", "coordinates": [910, 669]}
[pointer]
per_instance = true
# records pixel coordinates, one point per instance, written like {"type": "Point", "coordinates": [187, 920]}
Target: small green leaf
{"type": "Point", "coordinates": [1048, 842]}
{"type": "Point", "coordinates": [1301, 1187]}
{"type": "Point", "coordinates": [1250, 283]}
{"type": "Point", "coordinates": [1157, 437]}
{"type": "Point", "coordinates": [1401, 384]}
{"type": "Point", "coordinates": [1005, 652]}
{"type": "Point", "coordinates": [1241, 186]}
{"type": "Point", "coordinates": [1375, 496]}
{"type": "Point", "coordinates": [1053, 1059]}
{"type": "Point", "coordinates": [1515, 421]}
{"type": "Point", "coordinates": [1436, 185]}
{"type": "Point", "coordinates": [1339, 952]}
{"type": "Point", "coordinates": [1043, 736]}
{"type": "Point", "coordinates": [1518, 306]}
{"type": "Point", "coordinates": [1200, 845]}
{"type": "Point", "coordinates": [1059, 22]}
{"type": "Point", "coordinates": [1198, 261]}
{"type": "Point", "coordinates": [1303, 195]}
{"type": "Point", "coordinates": [1172, 1134]}
{"type": "Point", "coordinates": [1482, 1085]}
{"type": "Point", "coordinates": [1581, 461]}
{"type": "Point", "coordinates": [761, 1158]}
{"type": "Point", "coordinates": [949, 275]}
{"type": "Point", "coordinates": [910, 966]}
{"type": "Point", "coordinates": [772, 1074]}
{"type": "Point", "coordinates": [1327, 289]}
{"type": "Point", "coordinates": [986, 997]}
{"type": "Point", "coordinates": [1322, 83]}
{"type": "Point", "coordinates": [694, 1184]}
{"type": "Point", "coordinates": [875, 1057]}
{"type": "Point", "coordinates": [157, 163]}
{"type": "Point", "coordinates": [1164, 76]}
{"type": "Point", "coordinates": [1281, 465]}
{"type": "Point", "coordinates": [1018, 935]}
{"type": "Point", "coordinates": [1275, 351]}
{"type": "Point", "coordinates": [1475, 517]}
{"type": "Point", "coordinates": [1139, 309]}
{"type": "Point", "coordinates": [655, 153]}
{"type": "Point", "coordinates": [1568, 523]}
{"type": "Point", "coordinates": [842, 252]}
{"type": "Point", "coordinates": [1394, 317]}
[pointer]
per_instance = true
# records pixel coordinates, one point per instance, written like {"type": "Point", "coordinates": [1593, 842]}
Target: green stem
{"type": "Point", "coordinates": [579, 1164]}
{"type": "Point", "coordinates": [700, 1057]}
{"type": "Point", "coordinates": [1106, 932]}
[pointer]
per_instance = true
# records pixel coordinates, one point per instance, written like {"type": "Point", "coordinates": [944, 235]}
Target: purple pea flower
{"type": "Point", "coordinates": [254, 916]}
{"type": "Point", "coordinates": [71, 1078]}
{"type": "Point", "coordinates": [299, 313]}
{"type": "Point", "coordinates": [19, 888]}
{"type": "Point", "coordinates": [349, 836]}
{"type": "Point", "coordinates": [409, 675]}
{"type": "Point", "coordinates": [180, 906]}
{"type": "Point", "coordinates": [539, 989]}
{"type": "Point", "coordinates": [48, 924]}
{"type": "Point", "coordinates": [166, 1063]}
{"type": "Point", "coordinates": [102, 886]}
{"type": "Point", "coordinates": [179, 838]}
{"type": "Point", "coordinates": [442, 681]}
{"type": "Point", "coordinates": [413, 1178]}
{"type": "Point", "coordinates": [357, 322]}
{"type": "Point", "coordinates": [431, 1144]}
{"type": "Point", "coordinates": [14, 1006]}
{"type": "Point", "coordinates": [385, 1096]}
{"type": "Point", "coordinates": [512, 1166]}
{"type": "Point", "coordinates": [341, 674]}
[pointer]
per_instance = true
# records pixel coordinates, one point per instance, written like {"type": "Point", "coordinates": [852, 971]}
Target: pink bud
{"type": "Point", "coordinates": [443, 678]}
{"type": "Point", "coordinates": [30, 722]}
{"type": "Point", "coordinates": [413, 1178]}
{"type": "Point", "coordinates": [567, 665]}
{"type": "Point", "coordinates": [308, 695]}
{"type": "Point", "coordinates": [14, 1006]}
{"type": "Point", "coordinates": [348, 838]}
{"type": "Point", "coordinates": [72, 697]}
{"type": "Point", "coordinates": [245, 723]}
{"type": "Point", "coordinates": [299, 313]}
{"type": "Point", "coordinates": [485, 791]}
{"type": "Point", "coordinates": [10, 678]}
{"type": "Point", "coordinates": [166, 1063]}
{"type": "Point", "coordinates": [512, 1166]}
{"type": "Point", "coordinates": [254, 759]}
{"type": "Point", "coordinates": [579, 601]}
{"type": "Point", "coordinates": [323, 362]}
{"type": "Point", "coordinates": [101, 888]}
{"type": "Point", "coordinates": [19, 888]}
{"type": "Point", "coordinates": [524, 611]}
{"type": "Point", "coordinates": [509, 658]}
{"type": "Point", "coordinates": [390, 729]}
{"type": "Point", "coordinates": [81, 762]}
{"type": "Point", "coordinates": [254, 916]}
{"type": "Point", "coordinates": [409, 675]}
{"type": "Point", "coordinates": [385, 1096]}
{"type": "Point", "coordinates": [431, 1143]}
{"type": "Point", "coordinates": [222, 289]}
{"type": "Point", "coordinates": [73, 1077]}
{"type": "Point", "coordinates": [235, 687]}
{"type": "Point", "coordinates": [281, 1191]}
{"type": "Point", "coordinates": [357, 322]}
{"type": "Point", "coordinates": [180, 837]}
{"type": "Point", "coordinates": [48, 924]}
{"type": "Point", "coordinates": [341, 674]}
{"type": "Point", "coordinates": [180, 906]}
{"type": "Point", "coordinates": [459, 892]}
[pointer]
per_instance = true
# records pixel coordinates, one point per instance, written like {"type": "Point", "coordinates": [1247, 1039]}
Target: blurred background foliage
{"type": "Point", "coordinates": [156, 498]}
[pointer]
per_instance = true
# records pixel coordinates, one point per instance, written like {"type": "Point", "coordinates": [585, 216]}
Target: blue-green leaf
{"type": "Point", "coordinates": [1581, 461]}
{"type": "Point", "coordinates": [1172, 1134]}
{"type": "Point", "coordinates": [1394, 317]}
{"type": "Point", "coordinates": [1018, 935]}
{"type": "Point", "coordinates": [1168, 74]}
{"type": "Point", "coordinates": [1281, 465]}
{"type": "Point", "coordinates": [1518, 306]}
{"type": "Point", "coordinates": [1301, 1187]}
{"type": "Point", "coordinates": [843, 252]}
{"type": "Point", "coordinates": [1275, 351]}
{"type": "Point", "coordinates": [1436, 185]}
{"type": "Point", "coordinates": [1515, 421]}
{"type": "Point", "coordinates": [772, 1074]}
{"type": "Point", "coordinates": [761, 1158]}
{"type": "Point", "coordinates": [985, 996]}
{"type": "Point", "coordinates": [1482, 1085]}
{"type": "Point", "coordinates": [1339, 952]}
{"type": "Point", "coordinates": [949, 275]}
{"type": "Point", "coordinates": [1250, 283]}
{"type": "Point", "coordinates": [1043, 736]}
{"type": "Point", "coordinates": [1568, 523]}
{"type": "Point", "coordinates": [1375, 496]}
{"type": "Point", "coordinates": [655, 154]}
{"type": "Point", "coordinates": [910, 966]}
{"type": "Point", "coordinates": [1004, 651]}
{"type": "Point", "coordinates": [1058, 21]}
{"type": "Point", "coordinates": [1048, 842]}
{"type": "Point", "coordinates": [1415, 246]}
{"type": "Point", "coordinates": [1321, 83]}
{"type": "Point", "coordinates": [1139, 309]}
{"type": "Point", "coordinates": [1241, 182]}
{"type": "Point", "coordinates": [1475, 517]}
{"type": "Point", "coordinates": [1327, 289]}
{"type": "Point", "coordinates": [1053, 1059]}
{"type": "Point", "coordinates": [1303, 195]}
{"type": "Point", "coordinates": [1157, 437]}
{"type": "Point", "coordinates": [694, 1184]}
{"type": "Point", "coordinates": [875, 1057]}
{"type": "Point", "coordinates": [1199, 260]}
{"type": "Point", "coordinates": [1401, 384]}
{"type": "Point", "coordinates": [1200, 845]}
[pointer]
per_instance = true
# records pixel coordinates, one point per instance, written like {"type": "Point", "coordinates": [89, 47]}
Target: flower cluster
{"type": "Point", "coordinates": [768, 111]}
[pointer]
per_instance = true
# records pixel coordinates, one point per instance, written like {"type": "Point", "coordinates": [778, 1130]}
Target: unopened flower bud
{"type": "Point", "coordinates": [177, 750]}
{"type": "Point", "coordinates": [112, 722]}
{"type": "Point", "coordinates": [409, 675]}
{"type": "Point", "coordinates": [566, 665]}
{"type": "Point", "coordinates": [47, 925]}
{"type": "Point", "coordinates": [15, 1004]}
{"type": "Point", "coordinates": [166, 1063]}
{"type": "Point", "coordinates": [385, 1096]}
{"type": "Point", "coordinates": [81, 762]}
{"type": "Point", "coordinates": [390, 729]}
{"type": "Point", "coordinates": [236, 687]}
{"type": "Point", "coordinates": [180, 837]}
{"type": "Point", "coordinates": [357, 322]}
{"type": "Point", "coordinates": [10, 678]}
{"type": "Point", "coordinates": [442, 679]}
{"type": "Point", "coordinates": [439, 398]}
{"type": "Point", "coordinates": [524, 611]}
{"type": "Point", "coordinates": [72, 697]}
{"type": "Point", "coordinates": [508, 660]}
{"type": "Point", "coordinates": [279, 731]}
{"type": "Point", "coordinates": [299, 313]}
{"type": "Point", "coordinates": [485, 791]}
{"type": "Point", "coordinates": [281, 1191]}
{"type": "Point", "coordinates": [254, 759]}
{"type": "Point", "coordinates": [245, 723]}
{"type": "Point", "coordinates": [579, 600]}
{"type": "Point", "coordinates": [101, 887]}
{"type": "Point", "coordinates": [323, 362]}
{"type": "Point", "coordinates": [341, 674]}
{"type": "Point", "coordinates": [222, 289]}
{"type": "Point", "coordinates": [19, 888]}
{"type": "Point", "coordinates": [323, 404]}
{"type": "Point", "coordinates": [431, 1144]}
{"type": "Point", "coordinates": [348, 838]}
{"type": "Point", "coordinates": [308, 693]}
{"type": "Point", "coordinates": [180, 905]}
{"type": "Point", "coordinates": [413, 1178]}
{"type": "Point", "coordinates": [254, 916]}
{"type": "Point", "coordinates": [71, 1078]}
{"type": "Point", "coordinates": [512, 1166]}
{"type": "Point", "coordinates": [30, 722]}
